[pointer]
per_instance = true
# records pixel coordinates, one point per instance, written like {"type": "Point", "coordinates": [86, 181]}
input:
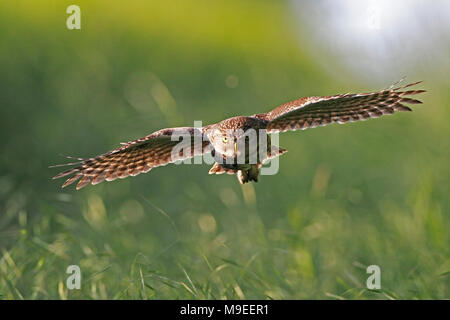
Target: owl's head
{"type": "Point", "coordinates": [234, 144]}
{"type": "Point", "coordinates": [225, 142]}
{"type": "Point", "coordinates": [235, 138]}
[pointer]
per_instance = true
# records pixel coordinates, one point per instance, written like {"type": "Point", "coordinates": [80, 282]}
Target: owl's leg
{"type": "Point", "coordinates": [242, 176]}
{"type": "Point", "coordinates": [253, 173]}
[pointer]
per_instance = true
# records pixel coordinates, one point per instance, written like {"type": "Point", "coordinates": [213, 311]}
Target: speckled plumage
{"type": "Point", "coordinates": [222, 138]}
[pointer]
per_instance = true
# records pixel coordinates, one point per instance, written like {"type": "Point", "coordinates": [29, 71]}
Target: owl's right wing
{"type": "Point", "coordinates": [132, 158]}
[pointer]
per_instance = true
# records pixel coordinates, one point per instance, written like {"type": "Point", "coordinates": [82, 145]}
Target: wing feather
{"type": "Point", "coordinates": [311, 112]}
{"type": "Point", "coordinates": [135, 157]}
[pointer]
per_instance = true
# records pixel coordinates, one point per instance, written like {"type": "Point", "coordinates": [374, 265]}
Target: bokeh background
{"type": "Point", "coordinates": [346, 197]}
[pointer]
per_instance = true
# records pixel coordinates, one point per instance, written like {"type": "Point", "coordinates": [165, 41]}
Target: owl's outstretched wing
{"type": "Point", "coordinates": [132, 158]}
{"type": "Point", "coordinates": [311, 112]}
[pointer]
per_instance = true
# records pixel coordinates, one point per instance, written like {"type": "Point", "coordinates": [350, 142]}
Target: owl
{"type": "Point", "coordinates": [238, 145]}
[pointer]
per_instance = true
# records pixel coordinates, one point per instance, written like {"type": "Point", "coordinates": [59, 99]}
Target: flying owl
{"type": "Point", "coordinates": [238, 145]}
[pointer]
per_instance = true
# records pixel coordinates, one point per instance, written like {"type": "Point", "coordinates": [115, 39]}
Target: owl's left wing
{"type": "Point", "coordinates": [132, 158]}
{"type": "Point", "coordinates": [311, 112]}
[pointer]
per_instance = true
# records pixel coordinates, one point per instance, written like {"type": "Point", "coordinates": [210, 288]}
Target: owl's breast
{"type": "Point", "coordinates": [246, 153]}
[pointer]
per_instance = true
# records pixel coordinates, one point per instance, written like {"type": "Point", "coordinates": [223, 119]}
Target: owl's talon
{"type": "Point", "coordinates": [242, 176]}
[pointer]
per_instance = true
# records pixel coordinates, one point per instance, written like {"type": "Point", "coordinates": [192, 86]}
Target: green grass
{"type": "Point", "coordinates": [346, 197]}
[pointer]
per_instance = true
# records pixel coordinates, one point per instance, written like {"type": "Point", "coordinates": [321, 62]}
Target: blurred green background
{"type": "Point", "coordinates": [345, 197]}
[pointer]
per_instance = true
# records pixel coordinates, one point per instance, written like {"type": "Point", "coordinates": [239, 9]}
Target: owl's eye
{"type": "Point", "coordinates": [224, 139]}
